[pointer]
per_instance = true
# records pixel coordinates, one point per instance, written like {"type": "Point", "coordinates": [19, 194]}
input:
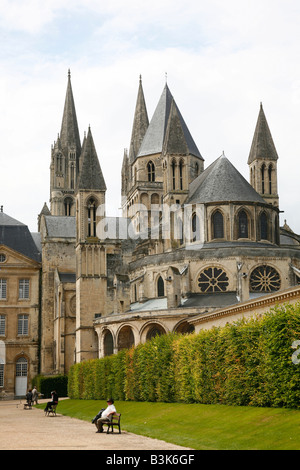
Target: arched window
{"type": "Point", "coordinates": [173, 166]}
{"type": "Point", "coordinates": [263, 226]}
{"type": "Point", "coordinates": [91, 209]}
{"type": "Point", "coordinates": [59, 163]}
{"type": "Point", "coordinates": [213, 280]}
{"type": "Point", "coordinates": [160, 287]}
{"type": "Point", "coordinates": [195, 228]}
{"type": "Point", "coordinates": [243, 225]}
{"type": "Point", "coordinates": [264, 279]}
{"type": "Point", "coordinates": [263, 179]}
{"type": "Point", "coordinates": [270, 170]}
{"type": "Point", "coordinates": [108, 343]}
{"type": "Point", "coordinates": [151, 171]}
{"type": "Point", "coordinates": [181, 174]}
{"type": "Point", "coordinates": [196, 169]}
{"type": "Point", "coordinates": [125, 338]}
{"type": "Point", "coordinates": [154, 330]}
{"type": "Point", "coordinates": [72, 175]}
{"type": "Point", "coordinates": [218, 225]}
{"type": "Point", "coordinates": [68, 203]}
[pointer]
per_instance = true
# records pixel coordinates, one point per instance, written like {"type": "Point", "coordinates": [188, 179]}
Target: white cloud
{"type": "Point", "coordinates": [222, 59]}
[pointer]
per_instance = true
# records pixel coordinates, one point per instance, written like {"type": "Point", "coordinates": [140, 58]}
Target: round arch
{"type": "Point", "coordinates": [184, 327]}
{"type": "Point", "coordinates": [108, 342]}
{"type": "Point", "coordinates": [125, 337]}
{"type": "Point", "coordinates": [152, 329]}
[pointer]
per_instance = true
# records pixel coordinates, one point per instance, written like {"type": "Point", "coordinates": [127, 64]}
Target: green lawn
{"type": "Point", "coordinates": [202, 427]}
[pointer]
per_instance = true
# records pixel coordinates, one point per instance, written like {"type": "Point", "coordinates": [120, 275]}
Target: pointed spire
{"type": "Point", "coordinates": [262, 145]}
{"type": "Point", "coordinates": [154, 140]}
{"type": "Point", "coordinates": [140, 123]}
{"type": "Point", "coordinates": [174, 142]}
{"type": "Point", "coordinates": [69, 134]}
{"type": "Point", "coordinates": [91, 176]}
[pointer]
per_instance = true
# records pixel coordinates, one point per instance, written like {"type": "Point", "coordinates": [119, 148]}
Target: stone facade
{"type": "Point", "coordinates": [195, 247]}
{"type": "Point", "coordinates": [20, 269]}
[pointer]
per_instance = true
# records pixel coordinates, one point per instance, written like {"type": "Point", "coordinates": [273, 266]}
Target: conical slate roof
{"type": "Point", "coordinates": [262, 145]}
{"type": "Point", "coordinates": [221, 182]}
{"type": "Point", "coordinates": [140, 124]}
{"type": "Point", "coordinates": [69, 134]}
{"type": "Point", "coordinates": [178, 134]}
{"type": "Point", "coordinates": [16, 235]}
{"type": "Point", "coordinates": [91, 177]}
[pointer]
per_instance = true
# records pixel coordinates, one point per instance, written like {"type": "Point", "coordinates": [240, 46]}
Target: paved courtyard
{"type": "Point", "coordinates": [31, 430]}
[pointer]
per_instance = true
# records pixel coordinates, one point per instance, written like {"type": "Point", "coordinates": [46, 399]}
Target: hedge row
{"type": "Point", "coordinates": [248, 362]}
{"type": "Point", "coordinates": [46, 385]}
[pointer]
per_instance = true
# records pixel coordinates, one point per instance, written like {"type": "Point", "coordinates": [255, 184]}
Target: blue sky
{"type": "Point", "coordinates": [221, 58]}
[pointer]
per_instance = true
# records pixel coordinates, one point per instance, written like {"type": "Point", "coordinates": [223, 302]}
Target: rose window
{"type": "Point", "coordinates": [264, 279]}
{"type": "Point", "coordinates": [213, 280]}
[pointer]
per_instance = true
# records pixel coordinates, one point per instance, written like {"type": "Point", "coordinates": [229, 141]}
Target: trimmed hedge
{"type": "Point", "coordinates": [46, 385]}
{"type": "Point", "coordinates": [248, 362]}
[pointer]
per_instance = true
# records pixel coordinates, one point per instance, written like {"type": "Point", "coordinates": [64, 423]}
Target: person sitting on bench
{"type": "Point", "coordinates": [29, 397]}
{"type": "Point", "coordinates": [53, 402]}
{"type": "Point", "coordinates": [106, 415]}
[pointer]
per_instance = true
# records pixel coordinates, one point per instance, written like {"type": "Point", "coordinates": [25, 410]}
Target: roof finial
{"type": "Point", "coordinates": [166, 77]}
{"type": "Point", "coordinates": [69, 73]}
{"type": "Point", "coordinates": [140, 78]}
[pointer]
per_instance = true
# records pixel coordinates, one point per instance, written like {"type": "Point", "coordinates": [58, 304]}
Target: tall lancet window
{"type": "Point", "coordinates": [263, 179]}
{"type": "Point", "coordinates": [91, 212]}
{"type": "Point", "coordinates": [160, 287]}
{"type": "Point", "coordinates": [195, 227]}
{"type": "Point", "coordinates": [59, 163]}
{"type": "Point", "coordinates": [151, 171]}
{"type": "Point", "coordinates": [72, 175]}
{"type": "Point", "coordinates": [181, 174]}
{"type": "Point", "coordinates": [173, 166]}
{"type": "Point", "coordinates": [218, 225]}
{"type": "Point", "coordinates": [263, 226]}
{"type": "Point", "coordinates": [270, 178]}
{"type": "Point", "coordinates": [243, 225]}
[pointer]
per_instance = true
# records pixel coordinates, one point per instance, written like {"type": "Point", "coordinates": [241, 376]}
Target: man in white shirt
{"type": "Point", "coordinates": [106, 415]}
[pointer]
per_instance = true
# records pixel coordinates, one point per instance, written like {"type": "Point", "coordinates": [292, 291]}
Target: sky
{"type": "Point", "coordinates": [220, 60]}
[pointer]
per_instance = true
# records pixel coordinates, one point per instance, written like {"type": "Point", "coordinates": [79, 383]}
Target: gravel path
{"type": "Point", "coordinates": [31, 430]}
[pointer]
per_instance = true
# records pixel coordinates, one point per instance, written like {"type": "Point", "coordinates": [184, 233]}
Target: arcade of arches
{"type": "Point", "coordinates": [127, 336]}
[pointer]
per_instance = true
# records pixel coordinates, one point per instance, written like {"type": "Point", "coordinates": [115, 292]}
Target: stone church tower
{"type": "Point", "coordinates": [262, 161]}
{"type": "Point", "coordinates": [65, 157]}
{"type": "Point", "coordinates": [90, 251]}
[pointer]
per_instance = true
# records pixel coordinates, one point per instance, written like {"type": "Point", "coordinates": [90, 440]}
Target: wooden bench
{"type": "Point", "coordinates": [115, 421]}
{"type": "Point", "coordinates": [52, 410]}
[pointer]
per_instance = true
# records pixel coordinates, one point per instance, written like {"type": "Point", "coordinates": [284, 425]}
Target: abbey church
{"type": "Point", "coordinates": [197, 245]}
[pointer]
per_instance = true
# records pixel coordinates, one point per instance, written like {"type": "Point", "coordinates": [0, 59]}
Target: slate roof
{"type": "Point", "coordinates": [90, 177]}
{"type": "Point", "coordinates": [220, 182]}
{"type": "Point", "coordinates": [67, 277]}
{"type": "Point", "coordinates": [262, 145]}
{"type": "Point", "coordinates": [178, 135]}
{"type": "Point", "coordinates": [16, 235]}
{"type": "Point", "coordinates": [60, 226]}
{"type": "Point", "coordinates": [216, 299]}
